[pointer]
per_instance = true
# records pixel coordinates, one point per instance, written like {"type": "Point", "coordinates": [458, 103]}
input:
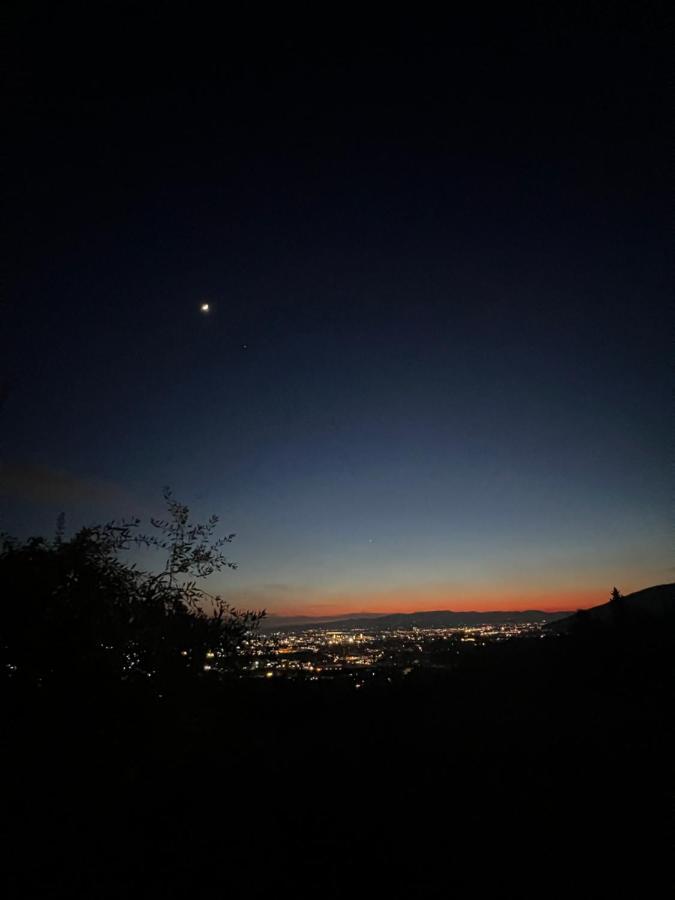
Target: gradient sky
{"type": "Point", "coordinates": [435, 373]}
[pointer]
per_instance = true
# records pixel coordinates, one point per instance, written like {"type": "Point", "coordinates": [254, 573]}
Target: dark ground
{"type": "Point", "coordinates": [540, 767]}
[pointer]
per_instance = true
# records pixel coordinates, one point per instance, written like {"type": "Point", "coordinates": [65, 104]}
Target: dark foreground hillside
{"type": "Point", "coordinates": [541, 767]}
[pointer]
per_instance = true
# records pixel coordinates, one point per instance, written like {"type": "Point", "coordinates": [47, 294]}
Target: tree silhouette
{"type": "Point", "coordinates": [190, 546]}
{"type": "Point", "coordinates": [616, 604]}
{"type": "Point", "coordinates": [78, 606]}
{"type": "Point", "coordinates": [616, 596]}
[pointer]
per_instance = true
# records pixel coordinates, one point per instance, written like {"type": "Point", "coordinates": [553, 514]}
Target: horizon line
{"type": "Point", "coordinates": [412, 612]}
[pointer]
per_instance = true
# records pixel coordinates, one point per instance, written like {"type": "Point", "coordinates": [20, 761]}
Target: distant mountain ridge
{"type": "Point", "coordinates": [656, 602]}
{"type": "Point", "coordinates": [431, 619]}
{"type": "Point", "coordinates": [274, 621]}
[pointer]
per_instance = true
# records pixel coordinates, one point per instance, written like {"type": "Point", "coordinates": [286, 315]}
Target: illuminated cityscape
{"type": "Point", "coordinates": [369, 653]}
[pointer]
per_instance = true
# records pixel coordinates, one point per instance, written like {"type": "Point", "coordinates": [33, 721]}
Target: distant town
{"type": "Point", "coordinates": [371, 652]}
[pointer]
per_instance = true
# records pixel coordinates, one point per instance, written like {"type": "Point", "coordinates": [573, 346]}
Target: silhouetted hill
{"type": "Point", "coordinates": [647, 606]}
{"type": "Point", "coordinates": [432, 619]}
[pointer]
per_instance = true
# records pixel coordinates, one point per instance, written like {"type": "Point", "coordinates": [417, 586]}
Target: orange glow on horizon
{"type": "Point", "coordinates": [415, 600]}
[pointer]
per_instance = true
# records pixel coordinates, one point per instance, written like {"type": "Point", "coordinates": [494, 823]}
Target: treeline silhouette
{"type": "Point", "coordinates": [534, 766]}
{"type": "Point", "coordinates": [77, 608]}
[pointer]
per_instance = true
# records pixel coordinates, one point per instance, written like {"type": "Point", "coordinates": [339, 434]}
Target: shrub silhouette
{"type": "Point", "coordinates": [75, 607]}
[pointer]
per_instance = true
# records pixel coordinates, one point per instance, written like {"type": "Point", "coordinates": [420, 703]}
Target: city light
{"type": "Point", "coordinates": [378, 652]}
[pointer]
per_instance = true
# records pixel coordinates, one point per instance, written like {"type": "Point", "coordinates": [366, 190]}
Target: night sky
{"type": "Point", "coordinates": [435, 369]}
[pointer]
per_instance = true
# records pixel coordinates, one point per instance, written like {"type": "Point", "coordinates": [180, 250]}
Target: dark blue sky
{"type": "Point", "coordinates": [435, 372]}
